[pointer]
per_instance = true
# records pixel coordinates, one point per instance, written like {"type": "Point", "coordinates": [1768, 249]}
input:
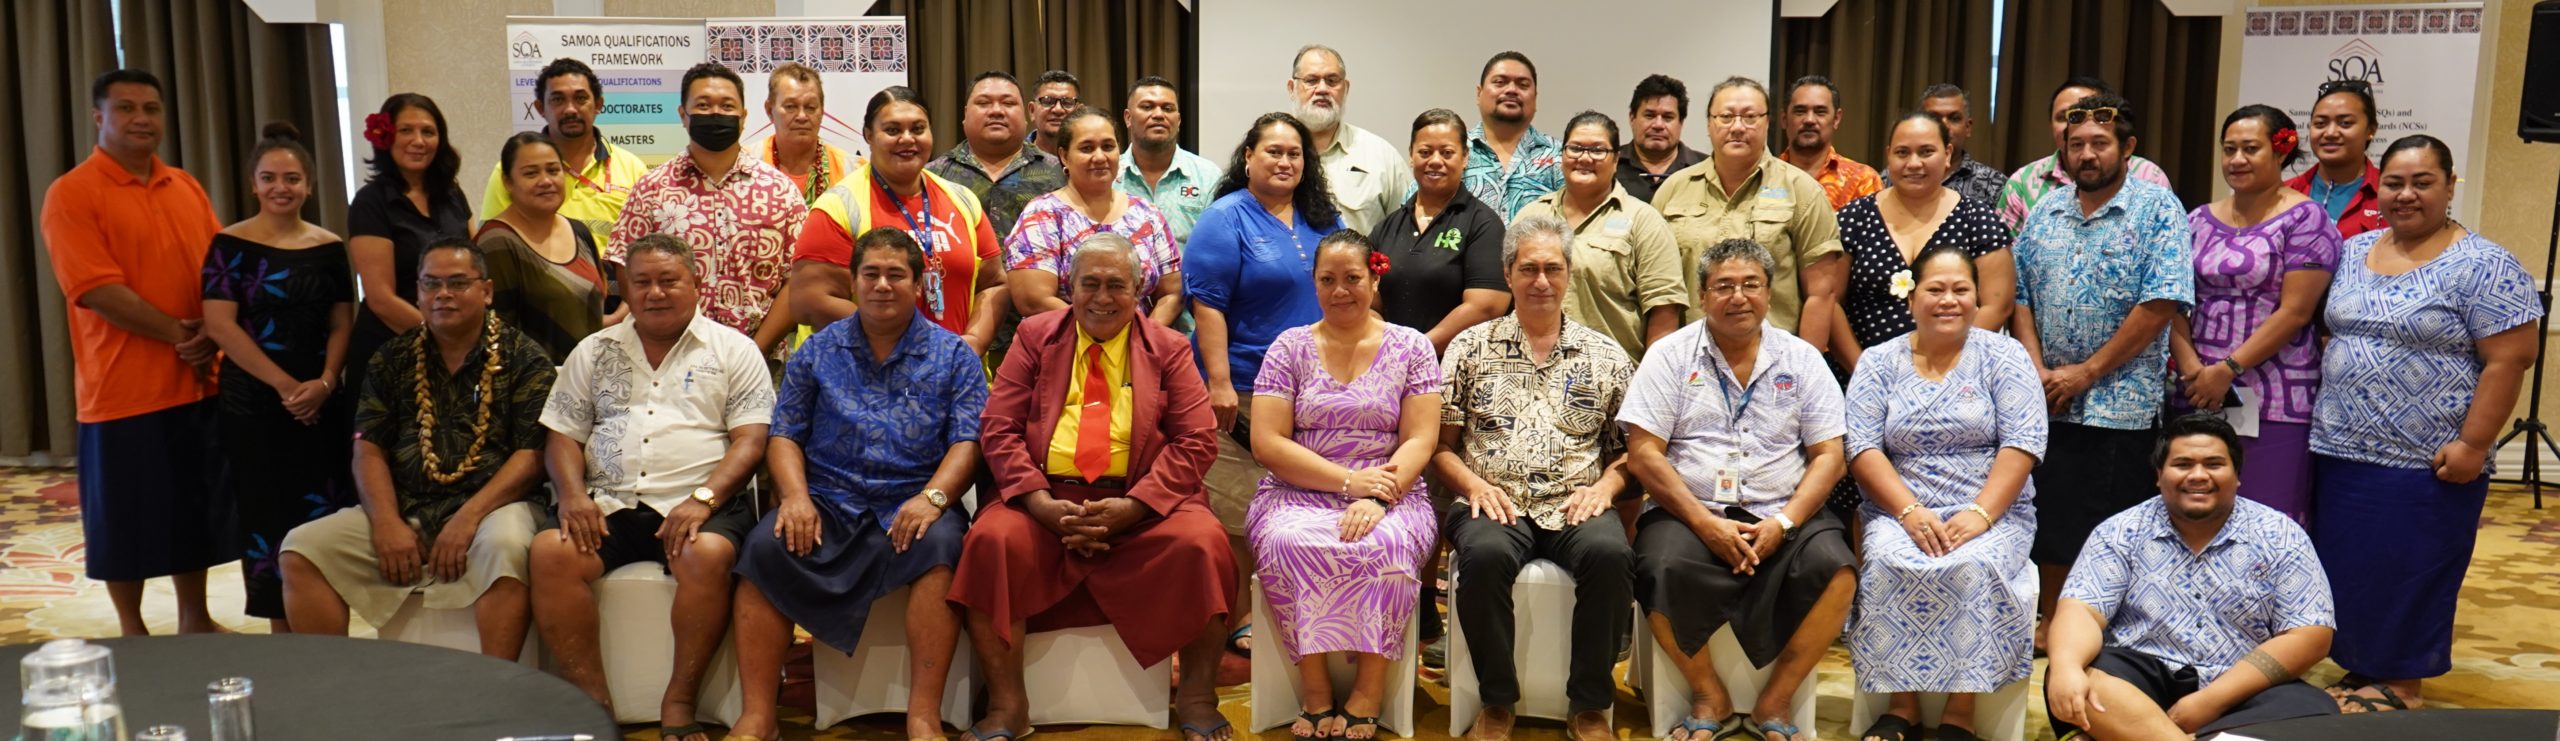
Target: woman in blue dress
{"type": "Point", "coordinates": [1944, 424]}
{"type": "Point", "coordinates": [2433, 328]}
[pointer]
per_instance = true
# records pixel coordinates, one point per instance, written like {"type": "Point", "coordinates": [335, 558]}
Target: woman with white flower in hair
{"type": "Point", "coordinates": [1883, 233]}
{"type": "Point", "coordinates": [1944, 422]}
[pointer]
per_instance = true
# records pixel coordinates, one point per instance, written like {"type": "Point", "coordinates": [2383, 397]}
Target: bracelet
{"type": "Point", "coordinates": [1346, 482]}
{"type": "Point", "coordinates": [1906, 511]}
{"type": "Point", "coordinates": [2234, 365]}
{"type": "Point", "coordinates": [1978, 510]}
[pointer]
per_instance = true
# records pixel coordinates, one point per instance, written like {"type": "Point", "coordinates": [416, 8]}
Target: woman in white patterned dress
{"type": "Point", "coordinates": [1944, 424]}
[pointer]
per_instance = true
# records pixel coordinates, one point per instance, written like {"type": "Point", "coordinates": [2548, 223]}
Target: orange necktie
{"type": "Point", "coordinates": [1093, 430]}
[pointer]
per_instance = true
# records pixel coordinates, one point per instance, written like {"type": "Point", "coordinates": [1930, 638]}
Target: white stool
{"type": "Point", "coordinates": [874, 678]}
{"type": "Point", "coordinates": [455, 629]}
{"type": "Point", "coordinates": [639, 648]}
{"type": "Point", "coordinates": [1651, 671]}
{"type": "Point", "coordinates": [1998, 716]}
{"type": "Point", "coordinates": [1087, 675]}
{"type": "Point", "coordinates": [1541, 647]}
{"type": "Point", "coordinates": [1275, 680]}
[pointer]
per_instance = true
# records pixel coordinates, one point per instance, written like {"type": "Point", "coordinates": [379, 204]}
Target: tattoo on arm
{"type": "Point", "coordinates": [2268, 665]}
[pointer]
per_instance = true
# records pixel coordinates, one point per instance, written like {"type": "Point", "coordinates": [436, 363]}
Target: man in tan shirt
{"type": "Point", "coordinates": [1744, 192]}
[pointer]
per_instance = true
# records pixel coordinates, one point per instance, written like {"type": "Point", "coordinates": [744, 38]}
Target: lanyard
{"type": "Point", "coordinates": [919, 223]}
{"type": "Point", "coordinates": [1733, 410]}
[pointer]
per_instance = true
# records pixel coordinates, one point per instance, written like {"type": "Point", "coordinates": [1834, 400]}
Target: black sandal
{"type": "Point", "coordinates": [1349, 720]}
{"type": "Point", "coordinates": [1892, 727]}
{"type": "Point", "coordinates": [1315, 721]}
{"type": "Point", "coordinates": [2389, 700]}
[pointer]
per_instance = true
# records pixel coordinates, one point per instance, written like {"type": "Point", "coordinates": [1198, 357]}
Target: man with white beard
{"type": "Point", "coordinates": [1368, 176]}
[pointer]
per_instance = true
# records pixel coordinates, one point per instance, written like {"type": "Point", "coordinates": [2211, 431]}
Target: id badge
{"type": "Point", "coordinates": [1729, 480]}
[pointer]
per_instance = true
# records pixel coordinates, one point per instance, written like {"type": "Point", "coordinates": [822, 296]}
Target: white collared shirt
{"type": "Point", "coordinates": [653, 434]}
{"type": "Point", "coordinates": [1685, 394]}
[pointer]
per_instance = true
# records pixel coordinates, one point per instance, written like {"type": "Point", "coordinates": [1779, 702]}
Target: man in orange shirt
{"type": "Point", "coordinates": [127, 235]}
{"type": "Point", "coordinates": [1810, 118]}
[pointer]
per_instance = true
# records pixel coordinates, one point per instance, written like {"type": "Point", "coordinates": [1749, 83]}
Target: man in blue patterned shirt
{"type": "Point", "coordinates": [1509, 161]}
{"type": "Point", "coordinates": [2102, 266]}
{"type": "Point", "coordinates": [2172, 596]}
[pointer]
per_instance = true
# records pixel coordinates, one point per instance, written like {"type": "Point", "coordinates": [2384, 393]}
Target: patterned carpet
{"type": "Point", "coordinates": [2506, 648]}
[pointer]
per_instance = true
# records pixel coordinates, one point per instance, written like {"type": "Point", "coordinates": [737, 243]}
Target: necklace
{"type": "Point", "coordinates": [818, 170]}
{"type": "Point", "coordinates": [427, 408]}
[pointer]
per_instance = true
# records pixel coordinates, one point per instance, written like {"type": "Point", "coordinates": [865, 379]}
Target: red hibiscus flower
{"type": "Point", "coordinates": [2285, 140]}
{"type": "Point", "coordinates": [377, 130]}
{"type": "Point", "coordinates": [1378, 263]}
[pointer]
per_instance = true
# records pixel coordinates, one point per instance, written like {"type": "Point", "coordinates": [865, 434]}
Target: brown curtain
{"type": "Point", "coordinates": [2152, 57]}
{"type": "Point", "coordinates": [1881, 54]}
{"type": "Point", "coordinates": [950, 41]}
{"type": "Point", "coordinates": [55, 50]}
{"type": "Point", "coordinates": [1109, 44]}
{"type": "Point", "coordinates": [228, 74]}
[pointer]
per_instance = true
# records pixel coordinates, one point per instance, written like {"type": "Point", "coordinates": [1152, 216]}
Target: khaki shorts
{"type": "Point", "coordinates": [1235, 477]}
{"type": "Point", "coordinates": [341, 545]}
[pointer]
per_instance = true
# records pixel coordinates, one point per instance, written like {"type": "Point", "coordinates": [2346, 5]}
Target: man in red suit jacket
{"type": "Point", "coordinates": [1099, 515]}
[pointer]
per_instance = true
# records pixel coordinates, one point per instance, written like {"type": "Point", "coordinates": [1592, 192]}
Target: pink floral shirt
{"type": "Point", "coordinates": [740, 226]}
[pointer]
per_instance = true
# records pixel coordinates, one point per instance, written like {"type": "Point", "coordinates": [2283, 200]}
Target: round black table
{"type": "Point", "coordinates": [2482, 725]}
{"type": "Point", "coordinates": [327, 688]}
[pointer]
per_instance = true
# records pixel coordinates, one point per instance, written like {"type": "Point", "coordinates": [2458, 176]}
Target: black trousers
{"type": "Point", "coordinates": [1487, 557]}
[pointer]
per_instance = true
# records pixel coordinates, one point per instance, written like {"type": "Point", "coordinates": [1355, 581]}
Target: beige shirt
{"type": "Point", "coordinates": [1625, 261]}
{"type": "Point", "coordinates": [654, 434]}
{"type": "Point", "coordinates": [1777, 205]}
{"type": "Point", "coordinates": [1369, 177]}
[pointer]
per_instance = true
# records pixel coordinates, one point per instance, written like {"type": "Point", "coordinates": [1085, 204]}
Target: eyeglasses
{"type": "Point", "coordinates": [2351, 86]}
{"type": "Point", "coordinates": [1749, 288]}
{"type": "Point", "coordinates": [1588, 153]}
{"type": "Point", "coordinates": [2077, 116]}
{"type": "Point", "coordinates": [433, 286]}
{"type": "Point", "coordinates": [1055, 102]}
{"type": "Point", "coordinates": [795, 109]}
{"type": "Point", "coordinates": [1738, 119]}
{"type": "Point", "coordinates": [1327, 81]}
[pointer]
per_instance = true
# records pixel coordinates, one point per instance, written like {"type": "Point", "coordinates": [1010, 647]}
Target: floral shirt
{"type": "Point", "coordinates": [1536, 169]}
{"type": "Point", "coordinates": [387, 415]}
{"type": "Point", "coordinates": [2081, 276]}
{"type": "Point", "coordinates": [1537, 430]}
{"type": "Point", "coordinates": [740, 225]}
{"type": "Point", "coordinates": [1051, 228]}
{"type": "Point", "coordinates": [1032, 174]}
{"type": "Point", "coordinates": [2240, 276]}
{"type": "Point", "coordinates": [2029, 184]}
{"type": "Point", "coordinates": [1844, 180]}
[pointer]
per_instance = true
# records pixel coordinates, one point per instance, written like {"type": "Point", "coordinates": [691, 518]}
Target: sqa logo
{"type": "Point", "coordinates": [524, 48]}
{"type": "Point", "coordinates": [2356, 61]}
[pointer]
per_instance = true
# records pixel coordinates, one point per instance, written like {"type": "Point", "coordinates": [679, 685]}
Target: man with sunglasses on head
{"type": "Point", "coordinates": [601, 173]}
{"type": "Point", "coordinates": [2031, 182]}
{"type": "Point", "coordinates": [2103, 264]}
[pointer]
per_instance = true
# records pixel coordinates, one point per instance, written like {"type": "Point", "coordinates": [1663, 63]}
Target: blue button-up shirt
{"type": "Point", "coordinates": [2257, 578]}
{"type": "Point", "coordinates": [1537, 168]}
{"type": "Point", "coordinates": [873, 432]}
{"type": "Point", "coordinates": [2083, 276]}
{"type": "Point", "coordinates": [1185, 190]}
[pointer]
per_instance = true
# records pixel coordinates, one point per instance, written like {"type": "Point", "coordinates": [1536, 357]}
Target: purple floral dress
{"type": "Point", "coordinates": [1327, 595]}
{"type": "Point", "coordinates": [2240, 275]}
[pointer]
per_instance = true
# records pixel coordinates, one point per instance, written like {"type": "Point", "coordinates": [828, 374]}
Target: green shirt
{"type": "Point", "coordinates": [387, 415]}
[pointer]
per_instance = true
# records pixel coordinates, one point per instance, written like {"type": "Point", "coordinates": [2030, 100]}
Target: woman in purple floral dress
{"type": "Point", "coordinates": [2263, 258]}
{"type": "Point", "coordinates": [1342, 524]}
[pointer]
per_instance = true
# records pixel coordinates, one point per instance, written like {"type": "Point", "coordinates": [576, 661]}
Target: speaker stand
{"type": "Point", "coordinates": [2537, 436]}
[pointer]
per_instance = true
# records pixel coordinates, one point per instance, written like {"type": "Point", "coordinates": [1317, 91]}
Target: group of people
{"type": "Point", "coordinates": [1742, 388]}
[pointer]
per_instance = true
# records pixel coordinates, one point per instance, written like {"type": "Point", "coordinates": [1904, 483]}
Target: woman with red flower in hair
{"type": "Point", "coordinates": [2263, 257]}
{"type": "Point", "coordinates": [1444, 245]}
{"type": "Point", "coordinates": [410, 201]}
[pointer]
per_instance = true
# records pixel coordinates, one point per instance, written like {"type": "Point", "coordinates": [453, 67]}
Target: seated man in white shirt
{"type": "Point", "coordinates": [657, 424]}
{"type": "Point", "coordinates": [2171, 596]}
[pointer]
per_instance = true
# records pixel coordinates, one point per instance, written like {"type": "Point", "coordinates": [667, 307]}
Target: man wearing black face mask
{"type": "Point", "coordinates": [739, 213]}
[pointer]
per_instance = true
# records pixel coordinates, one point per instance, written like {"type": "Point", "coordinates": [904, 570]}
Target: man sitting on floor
{"type": "Point", "coordinates": [2171, 595]}
{"type": "Point", "coordinates": [446, 433]}
{"type": "Point", "coordinates": [1099, 515]}
{"type": "Point", "coordinates": [656, 425]}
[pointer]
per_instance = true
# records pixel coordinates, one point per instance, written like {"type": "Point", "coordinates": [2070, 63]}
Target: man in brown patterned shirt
{"type": "Point", "coordinates": [448, 434]}
{"type": "Point", "coordinates": [1527, 439]}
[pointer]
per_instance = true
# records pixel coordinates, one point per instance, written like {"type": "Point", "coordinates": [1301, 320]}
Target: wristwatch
{"type": "Point", "coordinates": [1786, 525]}
{"type": "Point", "coordinates": [938, 499]}
{"type": "Point", "coordinates": [2234, 365]}
{"type": "Point", "coordinates": [704, 495]}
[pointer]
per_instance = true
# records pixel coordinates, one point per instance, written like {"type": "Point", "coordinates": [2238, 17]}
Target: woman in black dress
{"type": "Point", "coordinates": [278, 301]}
{"type": "Point", "coordinates": [410, 201]}
{"type": "Point", "coordinates": [1884, 231]}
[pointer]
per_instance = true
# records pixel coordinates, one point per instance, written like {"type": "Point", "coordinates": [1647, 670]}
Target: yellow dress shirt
{"type": "Point", "coordinates": [1115, 371]}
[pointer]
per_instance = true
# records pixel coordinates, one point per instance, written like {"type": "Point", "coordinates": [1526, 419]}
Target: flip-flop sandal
{"type": "Point", "coordinates": [1956, 733]}
{"type": "Point", "coordinates": [1315, 722]}
{"type": "Point", "coordinates": [1003, 733]}
{"type": "Point", "coordinates": [1349, 720]}
{"type": "Point", "coordinates": [1892, 727]}
{"type": "Point", "coordinates": [2389, 701]}
{"type": "Point", "coordinates": [1697, 726]}
{"type": "Point", "coordinates": [680, 732]}
{"type": "Point", "coordinates": [1236, 638]}
{"type": "Point", "coordinates": [1210, 733]}
{"type": "Point", "coordinates": [1760, 729]}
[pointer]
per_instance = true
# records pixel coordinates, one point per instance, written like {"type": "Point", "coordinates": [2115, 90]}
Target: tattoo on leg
{"type": "Point", "coordinates": [2268, 665]}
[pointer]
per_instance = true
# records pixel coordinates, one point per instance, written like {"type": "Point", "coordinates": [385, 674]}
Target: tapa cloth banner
{"type": "Point", "coordinates": [639, 64]}
{"type": "Point", "coordinates": [855, 59]}
{"type": "Point", "coordinates": [2422, 60]}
